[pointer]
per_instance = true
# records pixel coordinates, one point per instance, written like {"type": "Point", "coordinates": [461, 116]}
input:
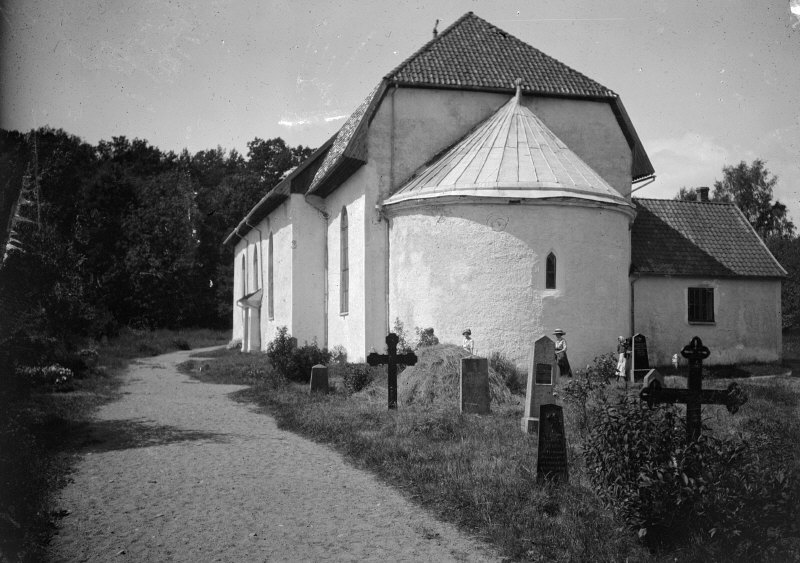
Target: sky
{"type": "Point", "coordinates": [706, 83]}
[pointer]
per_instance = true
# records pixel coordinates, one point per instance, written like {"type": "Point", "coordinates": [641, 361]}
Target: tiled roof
{"type": "Point", "coordinates": [473, 53]}
{"type": "Point", "coordinates": [350, 141]}
{"type": "Point", "coordinates": [511, 154]}
{"type": "Point", "coordinates": [688, 238]}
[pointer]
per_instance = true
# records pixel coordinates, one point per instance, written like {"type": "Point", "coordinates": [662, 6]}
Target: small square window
{"type": "Point", "coordinates": [701, 305]}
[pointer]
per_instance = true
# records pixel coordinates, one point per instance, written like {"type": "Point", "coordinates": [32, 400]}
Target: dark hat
{"type": "Point", "coordinates": [559, 331]}
{"type": "Point", "coordinates": [467, 331]}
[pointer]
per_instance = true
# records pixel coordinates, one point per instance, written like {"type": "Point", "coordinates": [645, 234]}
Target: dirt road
{"type": "Point", "coordinates": [176, 471]}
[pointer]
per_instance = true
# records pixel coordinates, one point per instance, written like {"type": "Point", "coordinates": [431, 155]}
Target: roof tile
{"type": "Point", "coordinates": [688, 238]}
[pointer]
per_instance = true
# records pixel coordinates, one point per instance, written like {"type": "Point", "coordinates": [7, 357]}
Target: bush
{"type": "Point", "coordinates": [587, 388]}
{"type": "Point", "coordinates": [508, 372]}
{"type": "Point", "coordinates": [731, 495]}
{"type": "Point", "coordinates": [356, 377]}
{"type": "Point", "coordinates": [54, 377]}
{"type": "Point", "coordinates": [292, 362]}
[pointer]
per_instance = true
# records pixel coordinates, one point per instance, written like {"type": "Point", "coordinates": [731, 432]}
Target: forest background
{"type": "Point", "coordinates": [123, 234]}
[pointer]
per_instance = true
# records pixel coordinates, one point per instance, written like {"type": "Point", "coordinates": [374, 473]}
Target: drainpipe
{"type": "Point", "coordinates": [318, 203]}
{"type": "Point", "coordinates": [386, 272]}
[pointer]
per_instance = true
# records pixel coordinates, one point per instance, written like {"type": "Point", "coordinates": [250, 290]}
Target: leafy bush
{"type": "Point", "coordinates": [403, 345]}
{"type": "Point", "coordinates": [587, 388]}
{"type": "Point", "coordinates": [508, 372]}
{"type": "Point", "coordinates": [724, 494]}
{"type": "Point", "coordinates": [54, 377]}
{"type": "Point", "coordinates": [356, 377]}
{"type": "Point", "coordinates": [292, 362]}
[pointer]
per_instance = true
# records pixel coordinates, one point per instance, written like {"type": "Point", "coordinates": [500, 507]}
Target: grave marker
{"type": "Point", "coordinates": [392, 359]}
{"type": "Point", "coordinates": [541, 382]}
{"type": "Point", "coordinates": [641, 363]}
{"type": "Point", "coordinates": [474, 390]}
{"type": "Point", "coordinates": [319, 379]}
{"type": "Point", "coordinates": [695, 396]}
{"type": "Point", "coordinates": [551, 460]}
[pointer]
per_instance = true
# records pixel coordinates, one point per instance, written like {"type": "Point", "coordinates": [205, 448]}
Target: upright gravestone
{"type": "Point", "coordinates": [551, 461]}
{"type": "Point", "coordinates": [541, 382]}
{"type": "Point", "coordinates": [641, 363]}
{"type": "Point", "coordinates": [474, 393]}
{"type": "Point", "coordinates": [319, 379]}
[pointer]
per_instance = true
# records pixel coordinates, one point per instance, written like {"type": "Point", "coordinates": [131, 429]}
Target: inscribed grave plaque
{"type": "Point", "coordinates": [541, 382]}
{"type": "Point", "coordinates": [551, 461]}
{"type": "Point", "coordinates": [474, 393]}
{"type": "Point", "coordinates": [544, 374]}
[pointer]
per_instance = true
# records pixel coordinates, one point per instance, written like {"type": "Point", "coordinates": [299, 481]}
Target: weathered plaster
{"type": "Point", "coordinates": [481, 266]}
{"type": "Point", "coordinates": [747, 316]}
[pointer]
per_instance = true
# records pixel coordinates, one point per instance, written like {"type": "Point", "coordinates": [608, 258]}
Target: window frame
{"type": "Point", "coordinates": [550, 271]}
{"type": "Point", "coordinates": [344, 263]}
{"type": "Point", "coordinates": [700, 305]}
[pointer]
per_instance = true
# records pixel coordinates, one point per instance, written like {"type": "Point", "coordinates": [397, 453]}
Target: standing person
{"type": "Point", "coordinates": [469, 343]}
{"type": "Point", "coordinates": [624, 353]}
{"type": "Point", "coordinates": [561, 353]}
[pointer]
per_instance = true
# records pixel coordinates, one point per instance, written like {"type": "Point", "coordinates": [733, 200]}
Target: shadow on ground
{"type": "Point", "coordinates": [112, 435]}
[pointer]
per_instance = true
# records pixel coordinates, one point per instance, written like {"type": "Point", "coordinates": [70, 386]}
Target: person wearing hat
{"type": "Point", "coordinates": [469, 343]}
{"type": "Point", "coordinates": [561, 353]}
{"type": "Point", "coordinates": [624, 352]}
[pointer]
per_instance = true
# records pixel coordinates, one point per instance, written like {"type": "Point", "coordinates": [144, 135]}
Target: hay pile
{"type": "Point", "coordinates": [435, 379]}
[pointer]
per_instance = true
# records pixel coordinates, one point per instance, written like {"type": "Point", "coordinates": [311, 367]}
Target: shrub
{"type": "Point", "coordinates": [733, 495]}
{"type": "Point", "coordinates": [54, 377]}
{"type": "Point", "coordinates": [292, 362]}
{"type": "Point", "coordinates": [402, 344]}
{"type": "Point", "coordinates": [356, 377]}
{"type": "Point", "coordinates": [508, 372]}
{"type": "Point", "coordinates": [587, 388]}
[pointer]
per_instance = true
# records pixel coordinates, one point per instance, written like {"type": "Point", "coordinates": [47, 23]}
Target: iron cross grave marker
{"type": "Point", "coordinates": [694, 397]}
{"type": "Point", "coordinates": [392, 359]}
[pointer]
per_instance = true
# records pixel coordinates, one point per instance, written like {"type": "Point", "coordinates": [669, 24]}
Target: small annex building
{"type": "Point", "coordinates": [484, 184]}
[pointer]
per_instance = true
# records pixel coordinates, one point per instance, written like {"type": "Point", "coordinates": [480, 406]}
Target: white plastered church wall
{"type": "Point", "coordinates": [427, 121]}
{"type": "Point", "coordinates": [747, 315]}
{"type": "Point", "coordinates": [308, 264]}
{"type": "Point", "coordinates": [482, 266]}
{"type": "Point", "coordinates": [279, 223]}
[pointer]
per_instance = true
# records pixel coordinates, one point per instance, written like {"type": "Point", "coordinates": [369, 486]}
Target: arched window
{"type": "Point", "coordinates": [244, 275]}
{"type": "Point", "coordinates": [344, 285]}
{"type": "Point", "coordinates": [550, 272]}
{"type": "Point", "coordinates": [270, 281]}
{"type": "Point", "coordinates": [256, 285]}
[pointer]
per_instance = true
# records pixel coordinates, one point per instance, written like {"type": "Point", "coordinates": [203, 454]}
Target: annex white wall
{"type": "Point", "coordinates": [747, 315]}
{"type": "Point", "coordinates": [482, 266]}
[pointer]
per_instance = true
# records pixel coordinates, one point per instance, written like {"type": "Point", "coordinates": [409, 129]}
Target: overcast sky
{"type": "Point", "coordinates": [706, 83]}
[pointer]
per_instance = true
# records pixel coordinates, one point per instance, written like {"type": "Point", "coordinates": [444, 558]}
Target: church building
{"type": "Point", "coordinates": [485, 185]}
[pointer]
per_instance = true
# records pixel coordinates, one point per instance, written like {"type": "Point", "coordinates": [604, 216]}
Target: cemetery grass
{"type": "Point", "coordinates": [477, 472]}
{"type": "Point", "coordinates": [41, 428]}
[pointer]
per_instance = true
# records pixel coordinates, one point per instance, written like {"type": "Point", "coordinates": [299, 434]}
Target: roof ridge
{"type": "Point", "coordinates": [684, 201]}
{"type": "Point", "coordinates": [428, 45]}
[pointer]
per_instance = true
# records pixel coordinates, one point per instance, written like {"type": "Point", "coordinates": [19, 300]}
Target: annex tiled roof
{"type": "Point", "coordinates": [511, 154]}
{"type": "Point", "coordinates": [472, 53]}
{"type": "Point", "coordinates": [688, 238]}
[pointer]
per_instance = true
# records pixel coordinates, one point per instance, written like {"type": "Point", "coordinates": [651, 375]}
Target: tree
{"type": "Point", "coordinates": [687, 194]}
{"type": "Point", "coordinates": [751, 189]}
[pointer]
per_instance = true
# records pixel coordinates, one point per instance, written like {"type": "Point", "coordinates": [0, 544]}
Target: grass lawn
{"type": "Point", "coordinates": [479, 472]}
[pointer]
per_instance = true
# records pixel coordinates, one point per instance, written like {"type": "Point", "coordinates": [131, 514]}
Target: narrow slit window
{"type": "Point", "coordinates": [270, 280]}
{"type": "Point", "coordinates": [550, 272]}
{"type": "Point", "coordinates": [244, 275]}
{"type": "Point", "coordinates": [344, 285]}
{"type": "Point", "coordinates": [256, 285]}
{"type": "Point", "coordinates": [701, 305]}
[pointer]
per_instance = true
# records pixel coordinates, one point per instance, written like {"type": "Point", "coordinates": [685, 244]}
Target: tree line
{"type": "Point", "coordinates": [124, 234]}
{"type": "Point", "coordinates": [751, 188]}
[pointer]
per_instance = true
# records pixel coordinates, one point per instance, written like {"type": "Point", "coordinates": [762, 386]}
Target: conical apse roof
{"type": "Point", "coordinates": [511, 154]}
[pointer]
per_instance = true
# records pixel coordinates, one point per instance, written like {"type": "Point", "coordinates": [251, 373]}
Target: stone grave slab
{"type": "Point", "coordinates": [319, 379]}
{"type": "Point", "coordinates": [551, 461]}
{"type": "Point", "coordinates": [542, 376]}
{"type": "Point", "coordinates": [474, 388]}
{"type": "Point", "coordinates": [640, 359]}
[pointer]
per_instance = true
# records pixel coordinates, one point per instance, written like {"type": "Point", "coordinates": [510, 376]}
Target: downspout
{"type": "Point", "coordinates": [316, 203]}
{"type": "Point", "coordinates": [386, 272]}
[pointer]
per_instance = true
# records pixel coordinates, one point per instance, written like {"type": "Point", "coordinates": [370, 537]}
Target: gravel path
{"type": "Point", "coordinates": [176, 471]}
